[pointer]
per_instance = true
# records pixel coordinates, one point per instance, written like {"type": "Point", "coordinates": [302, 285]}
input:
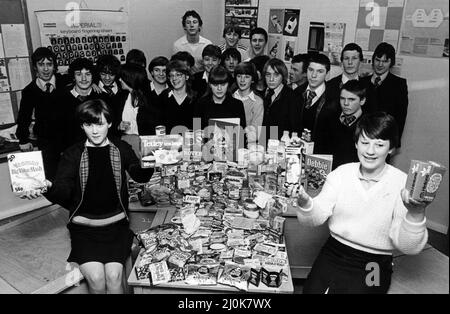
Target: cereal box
{"type": "Point", "coordinates": [424, 178]}
{"type": "Point", "coordinates": [26, 172]}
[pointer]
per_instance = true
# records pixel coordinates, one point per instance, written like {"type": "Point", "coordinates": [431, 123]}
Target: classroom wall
{"type": "Point", "coordinates": [153, 25]}
{"type": "Point", "coordinates": [426, 134]}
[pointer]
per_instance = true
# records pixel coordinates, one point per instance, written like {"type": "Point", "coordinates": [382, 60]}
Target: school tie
{"type": "Point", "coordinates": [108, 90]}
{"type": "Point", "coordinates": [48, 88]}
{"type": "Point", "coordinates": [309, 98]}
{"type": "Point", "coordinates": [376, 83]}
{"type": "Point", "coordinates": [348, 120]}
{"type": "Point", "coordinates": [270, 92]}
{"type": "Point", "coordinates": [81, 98]}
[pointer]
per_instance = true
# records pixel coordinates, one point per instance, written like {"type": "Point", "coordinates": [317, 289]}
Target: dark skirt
{"type": "Point", "coordinates": [342, 269]}
{"type": "Point", "coordinates": [104, 244]}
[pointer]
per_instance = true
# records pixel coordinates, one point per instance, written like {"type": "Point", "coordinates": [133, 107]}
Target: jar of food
{"type": "Point", "coordinates": [251, 210]}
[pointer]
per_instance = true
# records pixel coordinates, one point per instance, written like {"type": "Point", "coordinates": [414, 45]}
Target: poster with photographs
{"type": "Point", "coordinates": [274, 46]}
{"type": "Point", "coordinates": [334, 41]}
{"type": "Point", "coordinates": [291, 20]}
{"type": "Point", "coordinates": [283, 31]}
{"type": "Point", "coordinates": [4, 84]}
{"type": "Point", "coordinates": [243, 13]}
{"type": "Point", "coordinates": [276, 21]}
{"type": "Point", "coordinates": [92, 34]}
{"type": "Point", "coordinates": [290, 47]}
{"type": "Point", "coordinates": [328, 38]}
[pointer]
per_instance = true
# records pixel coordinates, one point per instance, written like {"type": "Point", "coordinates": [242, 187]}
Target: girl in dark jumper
{"type": "Point", "coordinates": [91, 184]}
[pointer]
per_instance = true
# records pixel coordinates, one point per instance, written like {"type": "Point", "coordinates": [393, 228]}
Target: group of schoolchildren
{"type": "Point", "coordinates": [354, 118]}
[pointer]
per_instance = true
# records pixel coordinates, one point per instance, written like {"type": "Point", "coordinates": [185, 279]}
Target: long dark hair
{"type": "Point", "coordinates": [135, 76]}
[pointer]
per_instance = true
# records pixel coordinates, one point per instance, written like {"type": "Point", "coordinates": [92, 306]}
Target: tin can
{"type": "Point", "coordinates": [160, 130]}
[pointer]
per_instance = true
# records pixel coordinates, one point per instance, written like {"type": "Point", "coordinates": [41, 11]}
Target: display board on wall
{"type": "Point", "coordinates": [283, 29]}
{"type": "Point", "coordinates": [243, 13]}
{"type": "Point", "coordinates": [379, 21]}
{"type": "Point", "coordinates": [328, 38]}
{"type": "Point", "coordinates": [425, 28]}
{"type": "Point", "coordinates": [89, 34]}
{"type": "Point", "coordinates": [15, 66]}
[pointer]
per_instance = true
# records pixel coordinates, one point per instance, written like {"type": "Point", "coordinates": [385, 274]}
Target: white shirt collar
{"type": "Point", "coordinates": [41, 83]}
{"type": "Point", "coordinates": [374, 179]}
{"type": "Point", "coordinates": [205, 76]}
{"type": "Point", "coordinates": [76, 94]}
{"type": "Point", "coordinates": [153, 88]}
{"type": "Point", "coordinates": [238, 96]}
{"type": "Point", "coordinates": [319, 91]}
{"type": "Point", "coordinates": [114, 87]}
{"type": "Point", "coordinates": [171, 94]}
{"type": "Point", "coordinates": [277, 91]}
{"type": "Point", "coordinates": [89, 144]}
{"type": "Point", "coordinates": [345, 78]}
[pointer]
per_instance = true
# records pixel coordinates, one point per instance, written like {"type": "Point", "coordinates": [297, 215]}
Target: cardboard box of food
{"type": "Point", "coordinates": [424, 178]}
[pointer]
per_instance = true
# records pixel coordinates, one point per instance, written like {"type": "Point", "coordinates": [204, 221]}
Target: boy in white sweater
{"type": "Point", "coordinates": [369, 214]}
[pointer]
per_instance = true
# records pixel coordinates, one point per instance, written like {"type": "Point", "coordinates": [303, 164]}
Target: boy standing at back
{"type": "Point", "coordinates": [192, 42]}
{"type": "Point", "coordinates": [351, 57]}
{"type": "Point", "coordinates": [337, 130]}
{"type": "Point", "coordinates": [42, 96]}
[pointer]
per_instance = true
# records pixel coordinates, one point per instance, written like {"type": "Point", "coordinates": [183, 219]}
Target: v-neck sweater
{"type": "Point", "coordinates": [371, 220]}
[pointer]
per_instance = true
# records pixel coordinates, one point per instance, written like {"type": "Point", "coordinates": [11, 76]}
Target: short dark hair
{"type": "Point", "coordinates": [278, 66]}
{"type": "Point", "coordinates": [160, 61]}
{"type": "Point", "coordinates": [350, 47]}
{"type": "Point", "coordinates": [231, 52]}
{"type": "Point", "coordinates": [385, 49]}
{"type": "Point", "coordinates": [320, 59]}
{"type": "Point", "coordinates": [232, 28]}
{"type": "Point", "coordinates": [185, 57]}
{"type": "Point", "coordinates": [259, 62]}
{"type": "Point", "coordinates": [194, 14]}
{"type": "Point", "coordinates": [80, 64]}
{"type": "Point", "coordinates": [107, 64]}
{"type": "Point", "coordinates": [212, 51]}
{"type": "Point", "coordinates": [258, 30]}
{"type": "Point", "coordinates": [378, 125]}
{"type": "Point", "coordinates": [42, 53]}
{"type": "Point", "coordinates": [91, 111]}
{"type": "Point", "coordinates": [355, 87]}
{"type": "Point", "coordinates": [247, 68]}
{"type": "Point", "coordinates": [218, 75]}
{"type": "Point", "coordinates": [136, 56]}
{"type": "Point", "coordinates": [301, 58]}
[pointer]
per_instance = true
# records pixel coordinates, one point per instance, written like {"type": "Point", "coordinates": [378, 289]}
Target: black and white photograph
{"type": "Point", "coordinates": [224, 155]}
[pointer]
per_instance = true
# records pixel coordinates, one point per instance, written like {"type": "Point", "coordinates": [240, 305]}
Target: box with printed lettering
{"type": "Point", "coordinates": [26, 172]}
{"type": "Point", "coordinates": [424, 178]}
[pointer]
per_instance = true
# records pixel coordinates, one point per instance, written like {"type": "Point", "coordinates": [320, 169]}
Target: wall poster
{"type": "Point", "coordinates": [425, 28]}
{"type": "Point", "coordinates": [378, 21]}
{"type": "Point", "coordinates": [283, 31]}
{"type": "Point", "coordinates": [243, 13]}
{"type": "Point", "coordinates": [90, 34]}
